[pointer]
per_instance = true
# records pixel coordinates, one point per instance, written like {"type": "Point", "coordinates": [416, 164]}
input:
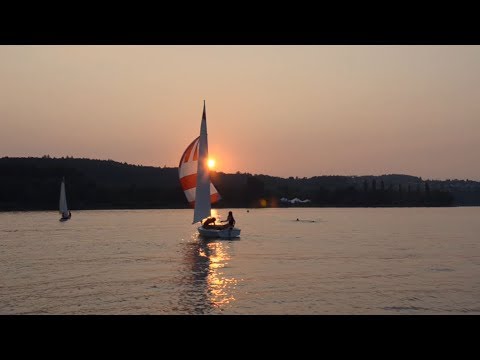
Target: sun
{"type": "Point", "coordinates": [211, 163]}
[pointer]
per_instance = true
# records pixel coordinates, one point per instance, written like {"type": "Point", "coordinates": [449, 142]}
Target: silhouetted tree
{"type": "Point", "coordinates": [33, 183]}
{"type": "Point", "coordinates": [255, 190]}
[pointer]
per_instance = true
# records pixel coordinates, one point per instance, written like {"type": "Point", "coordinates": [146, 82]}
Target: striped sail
{"type": "Point", "coordinates": [195, 176]}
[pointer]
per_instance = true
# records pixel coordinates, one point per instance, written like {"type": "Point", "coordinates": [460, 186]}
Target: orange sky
{"type": "Point", "coordinates": [276, 110]}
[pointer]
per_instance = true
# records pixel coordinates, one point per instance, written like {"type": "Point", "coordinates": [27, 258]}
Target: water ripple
{"type": "Point", "coordinates": [357, 261]}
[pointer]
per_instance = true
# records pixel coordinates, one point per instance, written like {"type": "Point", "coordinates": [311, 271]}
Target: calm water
{"type": "Point", "coordinates": [348, 261]}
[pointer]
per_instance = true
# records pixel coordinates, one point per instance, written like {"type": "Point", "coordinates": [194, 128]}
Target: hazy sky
{"type": "Point", "coordinates": [276, 110]}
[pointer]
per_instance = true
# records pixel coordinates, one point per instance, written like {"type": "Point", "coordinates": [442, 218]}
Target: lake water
{"type": "Point", "coordinates": [334, 261]}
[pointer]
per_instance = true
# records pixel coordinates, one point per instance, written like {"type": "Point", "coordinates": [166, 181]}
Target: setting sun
{"type": "Point", "coordinates": [211, 163]}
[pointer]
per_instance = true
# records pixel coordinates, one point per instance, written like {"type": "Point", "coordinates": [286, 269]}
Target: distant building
{"type": "Point", "coordinates": [294, 201]}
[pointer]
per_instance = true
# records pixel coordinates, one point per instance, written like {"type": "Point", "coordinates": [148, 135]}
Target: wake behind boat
{"type": "Point", "coordinates": [194, 177]}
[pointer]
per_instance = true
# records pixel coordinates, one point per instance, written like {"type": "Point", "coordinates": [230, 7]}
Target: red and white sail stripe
{"type": "Point", "coordinates": [187, 171]}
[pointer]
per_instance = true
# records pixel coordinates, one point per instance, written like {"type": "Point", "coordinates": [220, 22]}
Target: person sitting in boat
{"type": "Point", "coordinates": [230, 220]}
{"type": "Point", "coordinates": [209, 223]}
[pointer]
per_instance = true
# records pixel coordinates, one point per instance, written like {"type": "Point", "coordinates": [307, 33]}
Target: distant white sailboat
{"type": "Point", "coordinates": [66, 214]}
{"type": "Point", "coordinates": [195, 180]}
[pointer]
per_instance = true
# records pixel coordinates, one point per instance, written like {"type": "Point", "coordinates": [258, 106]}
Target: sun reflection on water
{"type": "Point", "coordinates": [220, 287]}
{"type": "Point", "coordinates": [206, 285]}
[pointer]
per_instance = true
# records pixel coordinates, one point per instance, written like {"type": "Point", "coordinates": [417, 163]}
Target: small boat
{"type": "Point", "coordinates": [66, 214]}
{"type": "Point", "coordinates": [228, 233]}
{"type": "Point", "coordinates": [194, 177]}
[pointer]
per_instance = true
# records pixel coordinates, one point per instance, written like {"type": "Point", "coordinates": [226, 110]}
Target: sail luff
{"type": "Point", "coordinates": [202, 193]}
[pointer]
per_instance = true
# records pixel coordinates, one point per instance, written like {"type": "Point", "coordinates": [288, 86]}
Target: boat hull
{"type": "Point", "coordinates": [219, 233]}
{"type": "Point", "coordinates": [65, 218]}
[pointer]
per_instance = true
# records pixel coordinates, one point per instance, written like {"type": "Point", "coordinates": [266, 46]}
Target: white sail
{"type": "Point", "coordinates": [202, 192]}
{"type": "Point", "coordinates": [63, 199]}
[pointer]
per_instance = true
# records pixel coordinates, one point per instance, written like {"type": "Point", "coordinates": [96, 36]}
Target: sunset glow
{"type": "Point", "coordinates": [296, 111]}
{"type": "Point", "coordinates": [211, 163]}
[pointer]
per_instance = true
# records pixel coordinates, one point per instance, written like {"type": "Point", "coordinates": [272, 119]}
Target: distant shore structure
{"type": "Point", "coordinates": [294, 201]}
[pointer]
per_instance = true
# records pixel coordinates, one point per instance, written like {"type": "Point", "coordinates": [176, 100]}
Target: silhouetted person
{"type": "Point", "coordinates": [230, 220]}
{"type": "Point", "coordinates": [209, 223]}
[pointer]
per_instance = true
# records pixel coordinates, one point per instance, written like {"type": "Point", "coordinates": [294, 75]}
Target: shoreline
{"type": "Point", "coordinates": [245, 208]}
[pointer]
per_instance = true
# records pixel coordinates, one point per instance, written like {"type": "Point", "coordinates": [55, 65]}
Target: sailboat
{"type": "Point", "coordinates": [194, 177]}
{"type": "Point", "coordinates": [66, 214]}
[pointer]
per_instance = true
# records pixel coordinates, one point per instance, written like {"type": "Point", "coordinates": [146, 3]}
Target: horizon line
{"type": "Point", "coordinates": [254, 174]}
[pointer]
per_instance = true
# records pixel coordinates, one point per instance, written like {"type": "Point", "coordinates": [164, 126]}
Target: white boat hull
{"type": "Point", "coordinates": [217, 233]}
